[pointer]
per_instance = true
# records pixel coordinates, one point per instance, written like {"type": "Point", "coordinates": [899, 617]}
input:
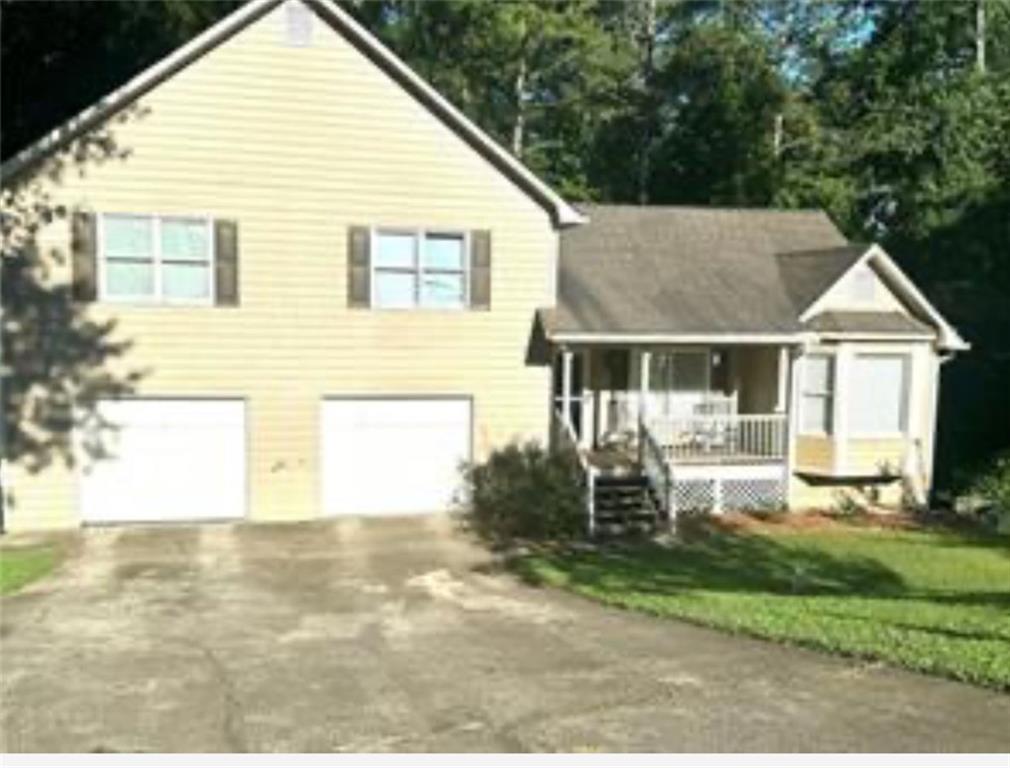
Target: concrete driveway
{"type": "Point", "coordinates": [399, 635]}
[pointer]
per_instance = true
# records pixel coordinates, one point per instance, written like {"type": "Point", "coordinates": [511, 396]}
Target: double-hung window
{"type": "Point", "coordinates": [818, 394]}
{"type": "Point", "coordinates": [419, 269]}
{"type": "Point", "coordinates": [156, 259]}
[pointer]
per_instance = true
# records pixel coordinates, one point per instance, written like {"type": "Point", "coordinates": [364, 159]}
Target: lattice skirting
{"type": "Point", "coordinates": [727, 493]}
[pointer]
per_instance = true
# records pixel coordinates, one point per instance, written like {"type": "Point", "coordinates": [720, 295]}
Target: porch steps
{"type": "Point", "coordinates": [624, 506]}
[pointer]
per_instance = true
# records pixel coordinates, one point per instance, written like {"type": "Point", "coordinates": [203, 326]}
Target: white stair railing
{"type": "Point", "coordinates": [656, 468]}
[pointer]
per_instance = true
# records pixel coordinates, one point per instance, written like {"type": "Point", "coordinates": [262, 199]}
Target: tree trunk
{"type": "Point", "coordinates": [648, 40]}
{"type": "Point", "coordinates": [519, 95]}
{"type": "Point", "coordinates": [980, 35]}
{"type": "Point", "coordinates": [778, 135]}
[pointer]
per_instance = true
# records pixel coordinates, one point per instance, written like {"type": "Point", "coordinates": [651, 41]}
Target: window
{"type": "Point", "coordinates": [128, 252]}
{"type": "Point", "coordinates": [156, 259]}
{"type": "Point", "coordinates": [419, 269]}
{"type": "Point", "coordinates": [818, 394]}
{"type": "Point", "coordinates": [878, 387]}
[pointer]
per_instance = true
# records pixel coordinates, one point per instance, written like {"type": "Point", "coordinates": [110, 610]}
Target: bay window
{"type": "Point", "coordinates": [818, 394]}
{"type": "Point", "coordinates": [878, 388]}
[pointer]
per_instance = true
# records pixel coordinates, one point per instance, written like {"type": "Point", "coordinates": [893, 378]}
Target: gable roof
{"type": "Point", "coordinates": [344, 24]}
{"type": "Point", "coordinates": [807, 275]}
{"type": "Point", "coordinates": [682, 273]}
{"type": "Point", "coordinates": [683, 270]}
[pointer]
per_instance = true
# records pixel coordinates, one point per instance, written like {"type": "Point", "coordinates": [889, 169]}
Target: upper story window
{"type": "Point", "coordinates": [818, 394]}
{"type": "Point", "coordinates": [419, 269]}
{"type": "Point", "coordinates": [878, 394]}
{"type": "Point", "coordinates": [156, 259]}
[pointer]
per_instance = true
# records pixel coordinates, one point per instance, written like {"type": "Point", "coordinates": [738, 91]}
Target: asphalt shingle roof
{"type": "Point", "coordinates": [867, 322]}
{"type": "Point", "coordinates": [656, 269]}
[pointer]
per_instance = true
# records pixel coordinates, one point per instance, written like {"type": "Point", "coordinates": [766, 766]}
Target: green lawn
{"type": "Point", "coordinates": [21, 565]}
{"type": "Point", "coordinates": [932, 600]}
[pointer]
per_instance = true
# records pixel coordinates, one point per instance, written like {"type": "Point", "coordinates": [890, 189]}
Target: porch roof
{"type": "Point", "coordinates": [676, 270]}
{"type": "Point", "coordinates": [888, 323]}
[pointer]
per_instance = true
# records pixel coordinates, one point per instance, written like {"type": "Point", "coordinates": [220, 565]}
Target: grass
{"type": "Point", "coordinates": [22, 565]}
{"type": "Point", "coordinates": [933, 600]}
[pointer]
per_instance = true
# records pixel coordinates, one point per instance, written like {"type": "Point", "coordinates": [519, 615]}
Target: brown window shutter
{"type": "Point", "coordinates": [359, 268]}
{"type": "Point", "coordinates": [83, 248]}
{"type": "Point", "coordinates": [480, 269]}
{"type": "Point", "coordinates": [226, 293]}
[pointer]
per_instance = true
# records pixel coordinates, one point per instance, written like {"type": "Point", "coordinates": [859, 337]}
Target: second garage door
{"type": "Point", "coordinates": [166, 461]}
{"type": "Point", "coordinates": [393, 456]}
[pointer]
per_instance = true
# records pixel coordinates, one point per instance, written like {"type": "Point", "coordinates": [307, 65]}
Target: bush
{"type": "Point", "coordinates": [524, 491]}
{"type": "Point", "coordinates": [993, 486]}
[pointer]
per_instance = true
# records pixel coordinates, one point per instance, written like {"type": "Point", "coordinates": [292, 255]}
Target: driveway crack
{"type": "Point", "coordinates": [233, 720]}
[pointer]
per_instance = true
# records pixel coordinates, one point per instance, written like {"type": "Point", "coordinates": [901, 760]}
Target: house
{"type": "Point", "coordinates": [331, 287]}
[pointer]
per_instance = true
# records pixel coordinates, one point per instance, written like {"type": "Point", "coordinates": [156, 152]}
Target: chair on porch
{"type": "Point", "coordinates": [716, 428]}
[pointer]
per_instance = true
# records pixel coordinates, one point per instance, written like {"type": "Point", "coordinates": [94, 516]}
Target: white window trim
{"type": "Point", "coordinates": [419, 235]}
{"type": "Point", "coordinates": [904, 416]}
{"type": "Point", "coordinates": [156, 297]}
{"type": "Point", "coordinates": [830, 395]}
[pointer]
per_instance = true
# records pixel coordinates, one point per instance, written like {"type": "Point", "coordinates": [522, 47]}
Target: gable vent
{"type": "Point", "coordinates": [298, 24]}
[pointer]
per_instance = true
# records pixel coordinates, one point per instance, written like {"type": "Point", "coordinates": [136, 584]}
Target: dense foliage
{"type": "Point", "coordinates": [992, 485]}
{"type": "Point", "coordinates": [893, 115]}
{"type": "Point", "coordinates": [524, 492]}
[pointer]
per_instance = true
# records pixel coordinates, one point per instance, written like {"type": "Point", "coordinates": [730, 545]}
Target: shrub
{"type": "Point", "coordinates": [993, 486]}
{"type": "Point", "coordinates": [525, 491]}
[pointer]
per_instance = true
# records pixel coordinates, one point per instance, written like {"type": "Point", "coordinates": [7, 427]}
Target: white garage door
{"type": "Point", "coordinates": [392, 456]}
{"type": "Point", "coordinates": [169, 460]}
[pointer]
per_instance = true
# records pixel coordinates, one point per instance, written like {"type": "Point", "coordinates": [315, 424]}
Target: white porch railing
{"type": "Point", "coordinates": [720, 439]}
{"type": "Point", "coordinates": [564, 439]}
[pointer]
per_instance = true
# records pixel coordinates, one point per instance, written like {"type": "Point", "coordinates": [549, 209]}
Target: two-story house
{"type": "Point", "coordinates": [332, 288]}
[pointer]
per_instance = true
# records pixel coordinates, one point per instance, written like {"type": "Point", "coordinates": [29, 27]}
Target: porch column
{"type": "Point", "coordinates": [781, 398]}
{"type": "Point", "coordinates": [587, 439]}
{"type": "Point", "coordinates": [566, 384]}
{"type": "Point", "coordinates": [840, 415]}
{"type": "Point", "coordinates": [645, 363]}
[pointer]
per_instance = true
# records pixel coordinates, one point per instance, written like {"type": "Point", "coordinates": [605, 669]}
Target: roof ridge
{"type": "Point", "coordinates": [701, 208]}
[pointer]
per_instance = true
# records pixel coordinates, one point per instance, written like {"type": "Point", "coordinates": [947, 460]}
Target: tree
{"type": "Point", "coordinates": [722, 97]}
{"type": "Point", "coordinates": [75, 52]}
{"type": "Point", "coordinates": [57, 359]}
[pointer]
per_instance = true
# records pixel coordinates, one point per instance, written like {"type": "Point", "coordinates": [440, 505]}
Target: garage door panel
{"type": "Point", "coordinates": [168, 460]}
{"type": "Point", "coordinates": [393, 456]}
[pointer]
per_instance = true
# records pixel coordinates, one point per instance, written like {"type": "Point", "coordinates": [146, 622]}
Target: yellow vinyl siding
{"type": "Point", "coordinates": [297, 144]}
{"type": "Point", "coordinates": [827, 493]}
{"type": "Point", "coordinates": [815, 454]}
{"type": "Point", "coordinates": [874, 456]}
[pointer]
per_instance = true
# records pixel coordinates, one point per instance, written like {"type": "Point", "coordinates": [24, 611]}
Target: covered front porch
{"type": "Point", "coordinates": [704, 404]}
{"type": "Point", "coordinates": [705, 426]}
